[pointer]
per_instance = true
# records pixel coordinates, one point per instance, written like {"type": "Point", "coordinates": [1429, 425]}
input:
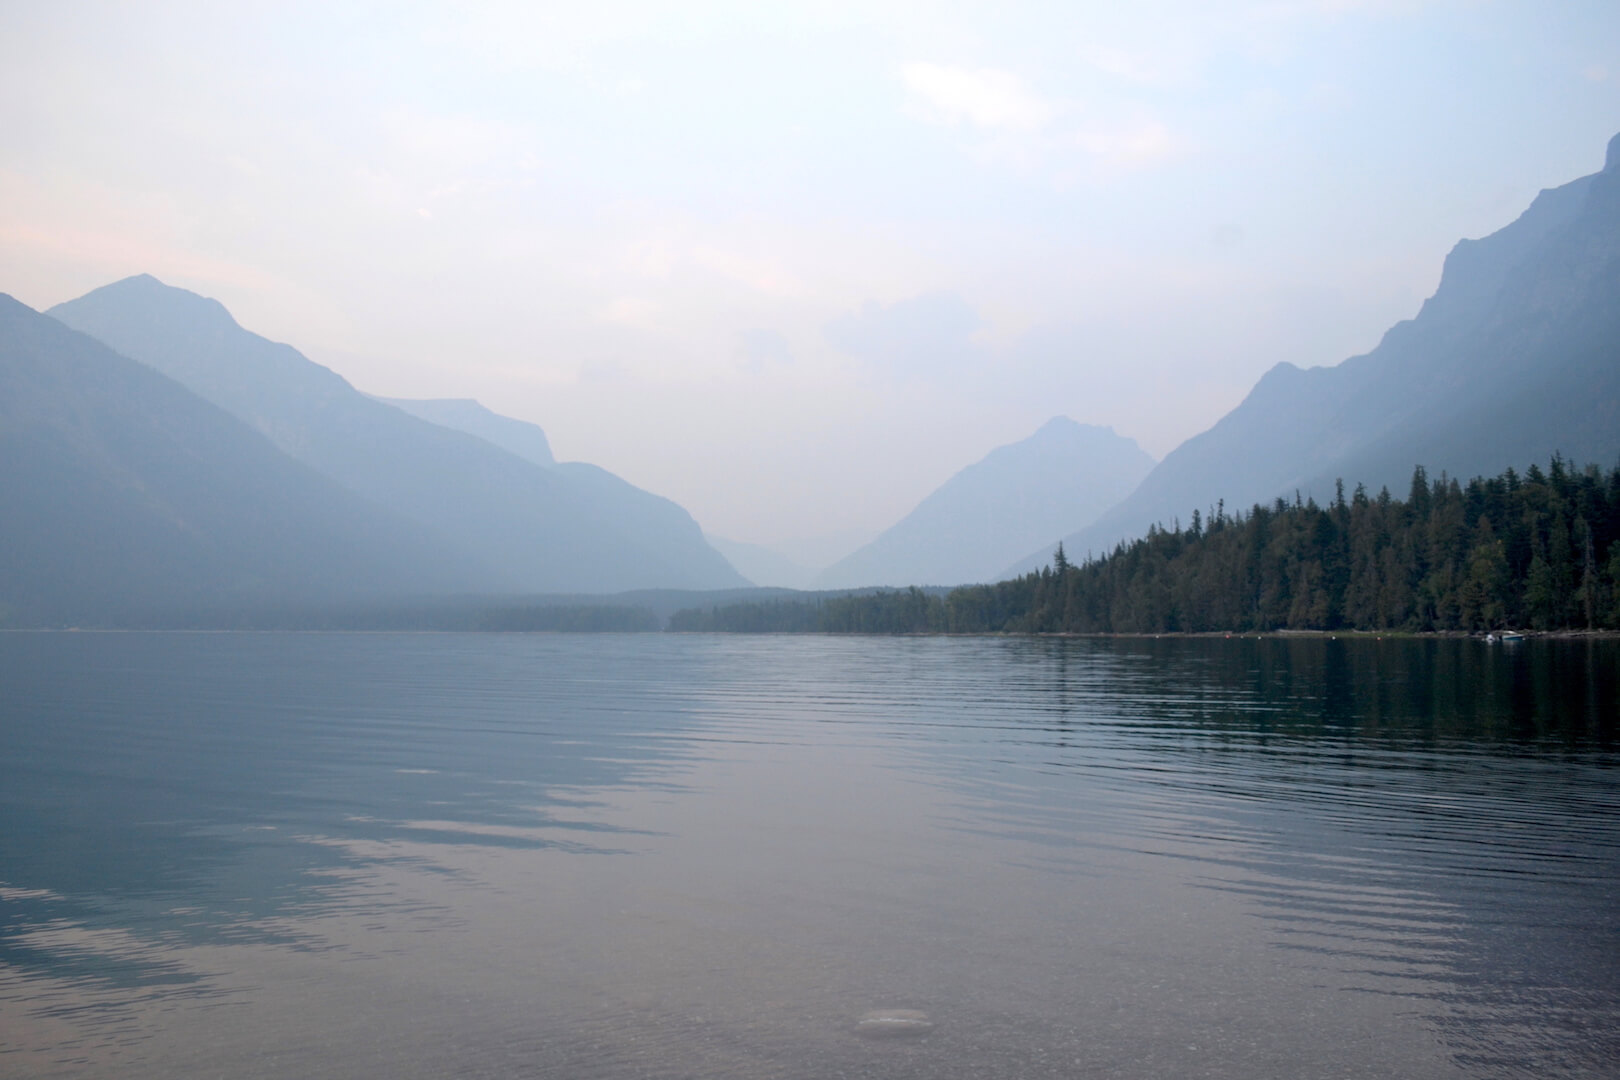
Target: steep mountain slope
{"type": "Point", "coordinates": [537, 529]}
{"type": "Point", "coordinates": [121, 492]}
{"type": "Point", "coordinates": [613, 504]}
{"type": "Point", "coordinates": [528, 441]}
{"type": "Point", "coordinates": [1514, 358]}
{"type": "Point", "coordinates": [1026, 493]}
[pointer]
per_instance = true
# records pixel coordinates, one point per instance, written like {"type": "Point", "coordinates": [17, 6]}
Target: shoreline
{"type": "Point", "coordinates": [1226, 635]}
{"type": "Point", "coordinates": [1377, 635]}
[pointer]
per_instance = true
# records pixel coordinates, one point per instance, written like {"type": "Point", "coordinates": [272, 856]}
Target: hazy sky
{"type": "Point", "coordinates": [794, 266]}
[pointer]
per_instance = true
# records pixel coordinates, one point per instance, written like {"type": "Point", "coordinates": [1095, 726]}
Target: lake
{"type": "Point", "coordinates": [417, 855]}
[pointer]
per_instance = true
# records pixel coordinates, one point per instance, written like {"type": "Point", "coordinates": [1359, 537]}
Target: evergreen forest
{"type": "Point", "coordinates": [1536, 551]}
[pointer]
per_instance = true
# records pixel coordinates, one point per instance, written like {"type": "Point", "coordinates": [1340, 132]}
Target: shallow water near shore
{"type": "Point", "coordinates": [312, 855]}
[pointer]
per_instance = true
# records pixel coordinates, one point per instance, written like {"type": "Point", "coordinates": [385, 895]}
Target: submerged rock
{"type": "Point", "coordinates": [884, 1023]}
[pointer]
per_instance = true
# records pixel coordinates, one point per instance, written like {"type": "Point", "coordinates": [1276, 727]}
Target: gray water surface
{"type": "Point", "coordinates": [313, 855]}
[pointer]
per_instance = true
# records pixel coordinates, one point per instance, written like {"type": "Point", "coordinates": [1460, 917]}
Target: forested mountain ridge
{"type": "Point", "coordinates": [1025, 493]}
{"type": "Point", "coordinates": [1514, 358]}
{"type": "Point", "coordinates": [1539, 551]}
{"type": "Point", "coordinates": [536, 529]}
{"type": "Point", "coordinates": [122, 492]}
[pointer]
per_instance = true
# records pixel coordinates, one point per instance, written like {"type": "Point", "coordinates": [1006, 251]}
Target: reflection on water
{"type": "Point", "coordinates": [421, 855]}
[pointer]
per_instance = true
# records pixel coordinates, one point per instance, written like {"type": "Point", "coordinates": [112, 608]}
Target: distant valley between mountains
{"type": "Point", "coordinates": [156, 456]}
{"type": "Point", "coordinates": [1030, 492]}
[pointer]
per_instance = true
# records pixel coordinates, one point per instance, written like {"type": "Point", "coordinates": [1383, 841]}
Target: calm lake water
{"type": "Point", "coordinates": [328, 855]}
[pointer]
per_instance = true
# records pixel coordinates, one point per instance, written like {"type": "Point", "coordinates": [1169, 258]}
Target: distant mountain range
{"type": "Point", "coordinates": [156, 455]}
{"type": "Point", "coordinates": [632, 508]}
{"type": "Point", "coordinates": [1515, 357]}
{"type": "Point", "coordinates": [1030, 492]}
{"type": "Point", "coordinates": [534, 529]}
{"type": "Point", "coordinates": [123, 492]}
{"type": "Point", "coordinates": [228, 468]}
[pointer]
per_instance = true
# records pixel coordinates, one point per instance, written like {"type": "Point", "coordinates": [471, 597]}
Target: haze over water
{"type": "Point", "coordinates": [656, 855]}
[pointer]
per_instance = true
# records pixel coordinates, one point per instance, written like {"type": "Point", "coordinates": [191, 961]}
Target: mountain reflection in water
{"type": "Point", "coordinates": [656, 855]}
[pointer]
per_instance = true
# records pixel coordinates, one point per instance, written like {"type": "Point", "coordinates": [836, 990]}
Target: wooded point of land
{"type": "Point", "coordinates": [1536, 551]}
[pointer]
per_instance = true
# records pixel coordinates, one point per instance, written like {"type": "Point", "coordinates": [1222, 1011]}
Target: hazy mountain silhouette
{"type": "Point", "coordinates": [528, 441]}
{"type": "Point", "coordinates": [537, 529]}
{"type": "Point", "coordinates": [619, 505]}
{"type": "Point", "coordinates": [762, 565]}
{"type": "Point", "coordinates": [1026, 493]}
{"type": "Point", "coordinates": [1514, 358]}
{"type": "Point", "coordinates": [122, 492]}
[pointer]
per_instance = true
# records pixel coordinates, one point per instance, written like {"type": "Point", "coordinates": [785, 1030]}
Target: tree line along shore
{"type": "Point", "coordinates": [1535, 551]}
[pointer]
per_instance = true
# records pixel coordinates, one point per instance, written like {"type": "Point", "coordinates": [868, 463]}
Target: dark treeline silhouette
{"type": "Point", "coordinates": [1534, 551]}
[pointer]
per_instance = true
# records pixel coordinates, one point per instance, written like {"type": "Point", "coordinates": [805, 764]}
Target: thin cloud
{"type": "Point", "coordinates": [983, 97]}
{"type": "Point", "coordinates": [1013, 125]}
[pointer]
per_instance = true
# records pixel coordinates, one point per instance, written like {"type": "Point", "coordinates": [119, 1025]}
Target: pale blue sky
{"type": "Point", "coordinates": [794, 266]}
